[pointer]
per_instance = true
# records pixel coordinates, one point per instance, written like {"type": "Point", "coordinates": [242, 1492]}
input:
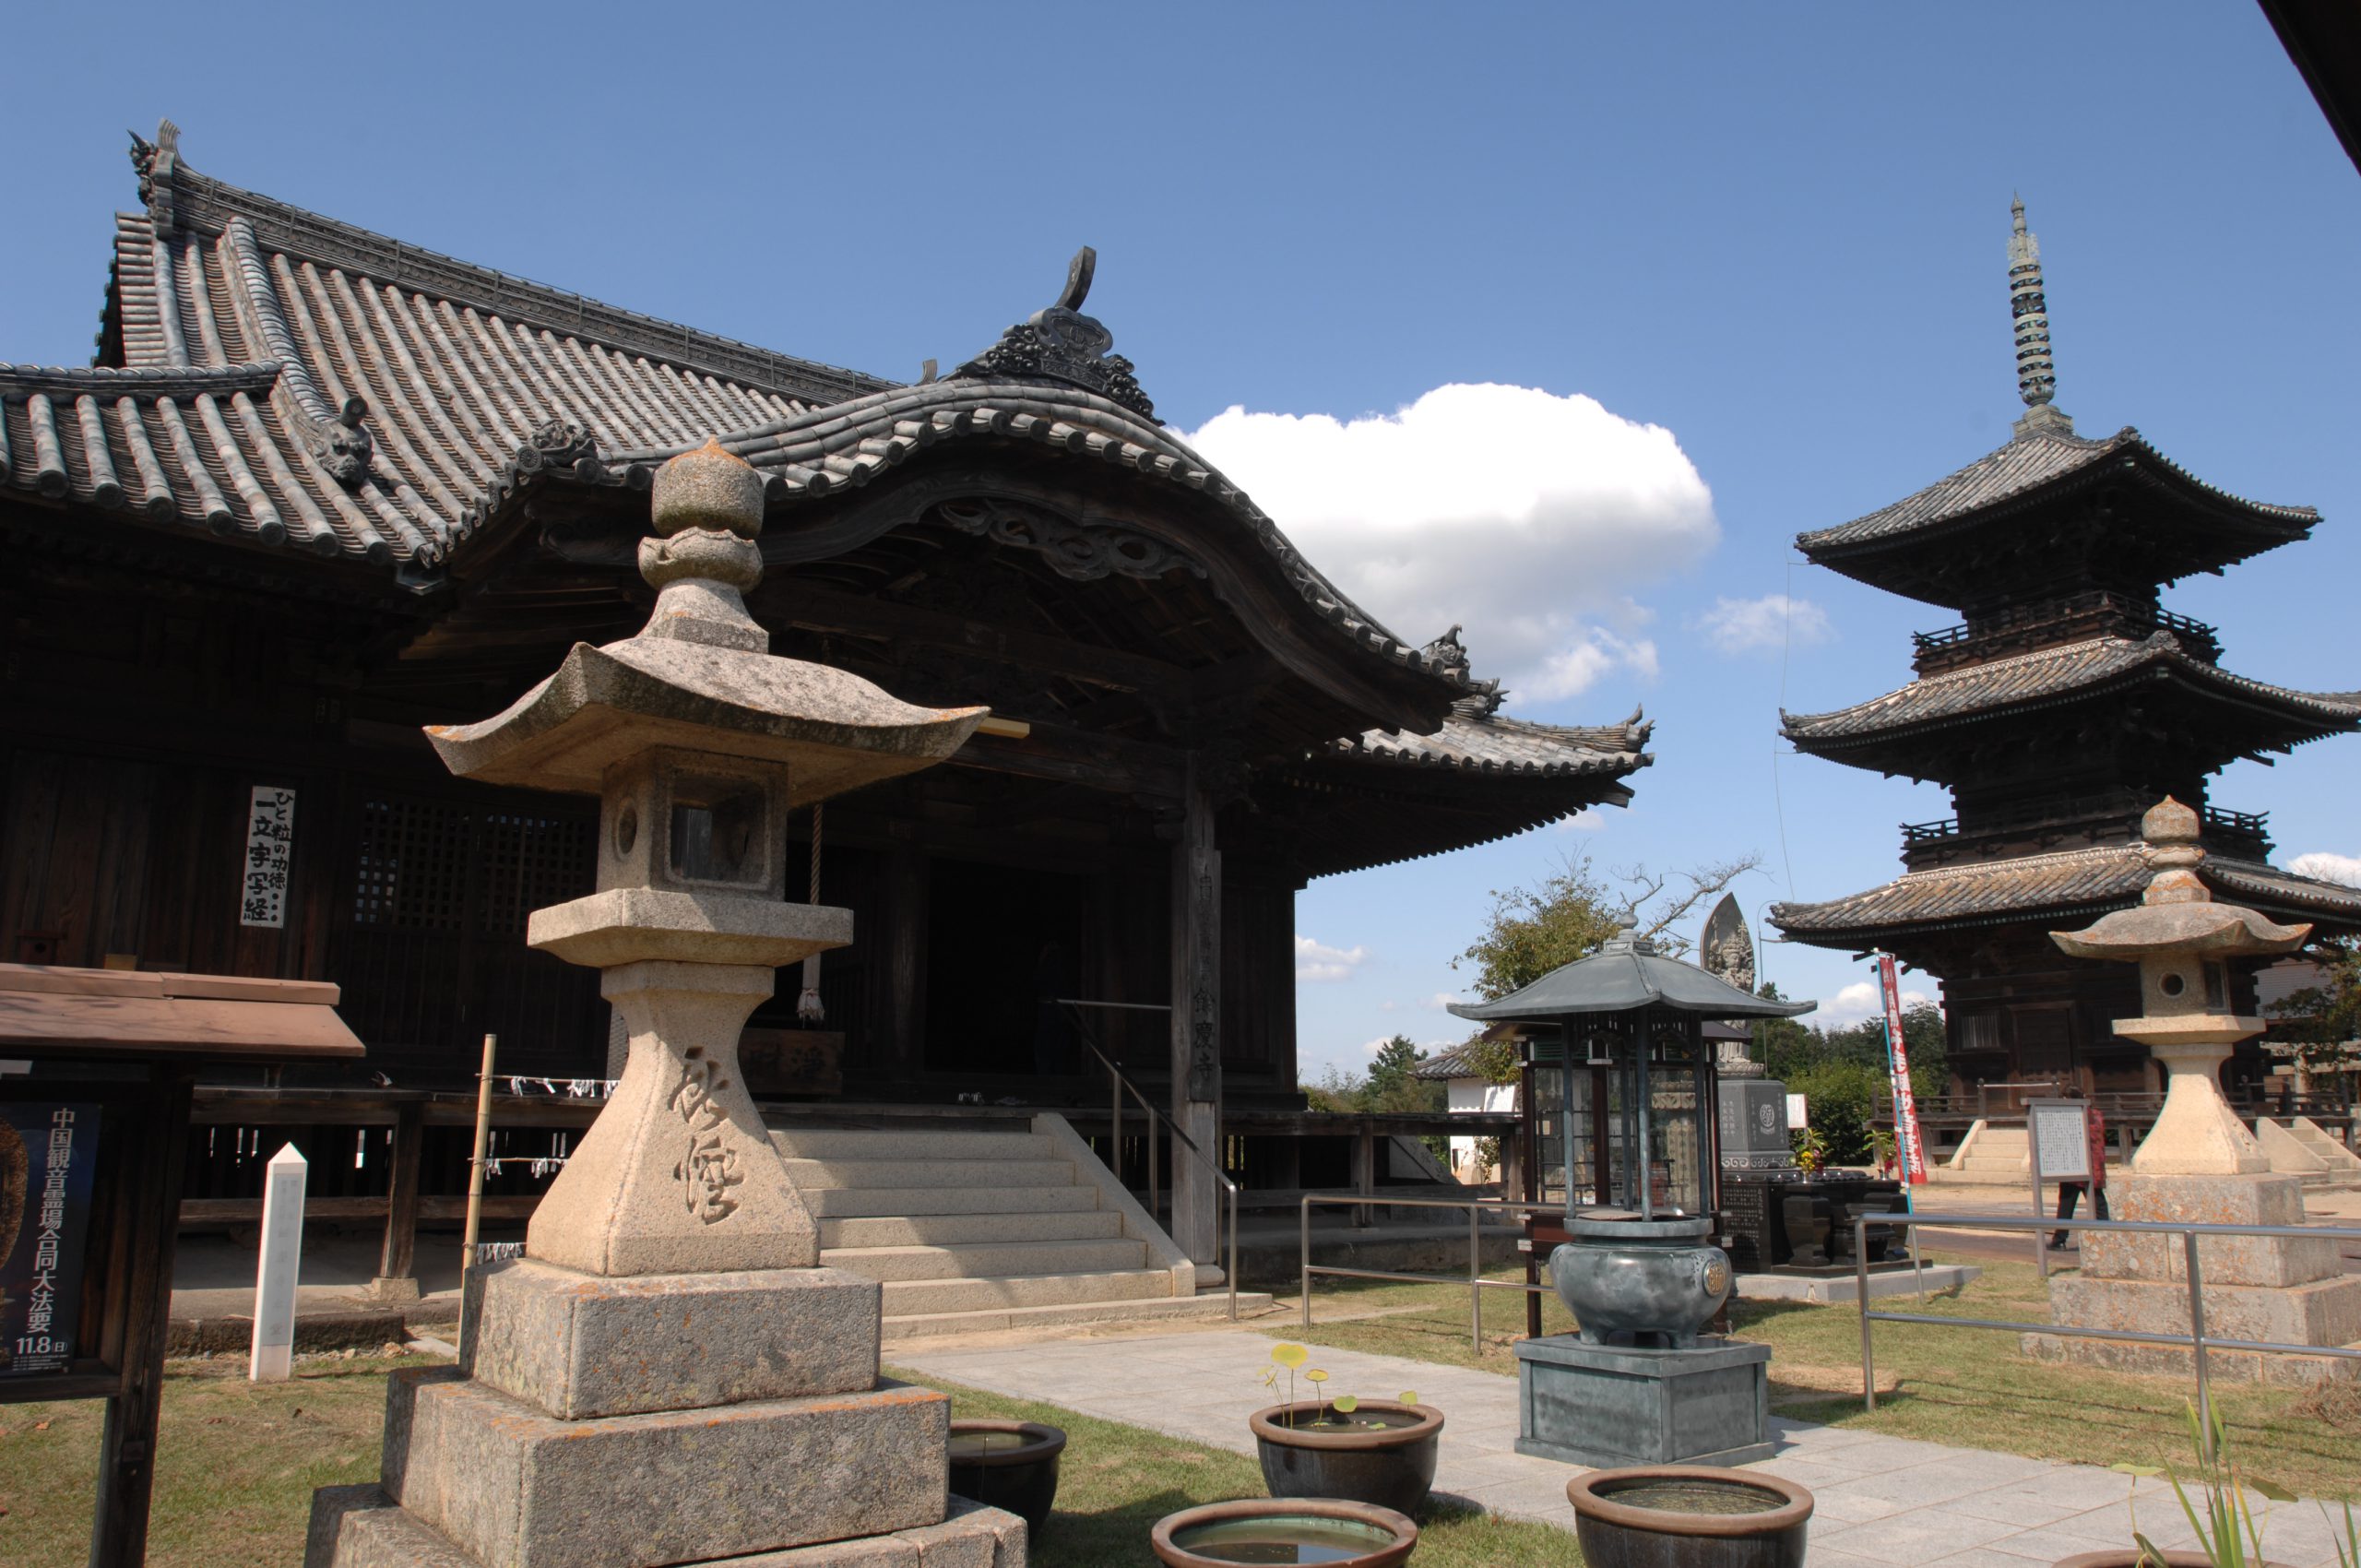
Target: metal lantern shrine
{"type": "Point", "coordinates": [1635, 1261]}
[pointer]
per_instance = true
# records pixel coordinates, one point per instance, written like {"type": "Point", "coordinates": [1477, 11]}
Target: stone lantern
{"type": "Point", "coordinates": [2199, 1163]}
{"type": "Point", "coordinates": [665, 1377]}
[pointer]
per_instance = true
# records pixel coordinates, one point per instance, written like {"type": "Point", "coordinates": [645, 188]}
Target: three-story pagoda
{"type": "Point", "coordinates": [2067, 703]}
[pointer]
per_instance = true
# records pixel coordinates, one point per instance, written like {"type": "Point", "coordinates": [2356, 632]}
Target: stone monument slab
{"type": "Point", "coordinates": [514, 1488]}
{"type": "Point", "coordinates": [578, 1346]}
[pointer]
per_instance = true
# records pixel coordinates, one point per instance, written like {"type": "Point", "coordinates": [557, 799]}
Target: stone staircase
{"type": "Point", "coordinates": [1990, 1157]}
{"type": "Point", "coordinates": [2303, 1149]}
{"type": "Point", "coordinates": [969, 1228]}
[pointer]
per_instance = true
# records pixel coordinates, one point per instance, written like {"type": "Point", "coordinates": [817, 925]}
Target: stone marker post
{"type": "Point", "coordinates": [2199, 1163]}
{"type": "Point", "coordinates": [666, 1377]}
{"type": "Point", "coordinates": [279, 1260]}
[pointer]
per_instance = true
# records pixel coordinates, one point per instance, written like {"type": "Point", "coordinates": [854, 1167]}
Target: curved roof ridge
{"type": "Point", "coordinates": [2011, 472]}
{"type": "Point", "coordinates": [148, 379]}
{"type": "Point", "coordinates": [2080, 665]}
{"type": "Point", "coordinates": [820, 450]}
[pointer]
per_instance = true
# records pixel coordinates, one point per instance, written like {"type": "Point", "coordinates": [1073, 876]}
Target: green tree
{"type": "Point", "coordinates": [1567, 915]}
{"type": "Point", "coordinates": [2321, 1021]}
{"type": "Point", "coordinates": [1392, 1066]}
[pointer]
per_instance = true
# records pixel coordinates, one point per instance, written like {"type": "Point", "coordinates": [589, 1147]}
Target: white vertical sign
{"type": "Point", "coordinates": [270, 844]}
{"type": "Point", "coordinates": [283, 1256]}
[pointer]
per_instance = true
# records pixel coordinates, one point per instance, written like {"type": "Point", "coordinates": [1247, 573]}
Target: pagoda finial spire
{"type": "Point", "coordinates": [2036, 372]}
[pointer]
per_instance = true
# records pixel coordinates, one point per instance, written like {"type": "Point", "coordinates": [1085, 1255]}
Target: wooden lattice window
{"type": "Point", "coordinates": [529, 862]}
{"type": "Point", "coordinates": [412, 866]}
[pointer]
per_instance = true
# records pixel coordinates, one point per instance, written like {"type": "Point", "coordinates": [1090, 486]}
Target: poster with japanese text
{"type": "Point", "coordinates": [47, 1155]}
{"type": "Point", "coordinates": [270, 847]}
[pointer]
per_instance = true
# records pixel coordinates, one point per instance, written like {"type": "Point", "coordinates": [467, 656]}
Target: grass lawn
{"type": "Point", "coordinates": [1969, 1387]}
{"type": "Point", "coordinates": [238, 1462]}
{"type": "Point", "coordinates": [234, 1469]}
{"type": "Point", "coordinates": [1115, 1481]}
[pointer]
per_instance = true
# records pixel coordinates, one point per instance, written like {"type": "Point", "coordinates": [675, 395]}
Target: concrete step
{"type": "Point", "coordinates": [833, 1143]}
{"type": "Point", "coordinates": [956, 1229]}
{"type": "Point", "coordinates": [932, 1325]}
{"type": "Point", "coordinates": [813, 1174]}
{"type": "Point", "coordinates": [989, 1259]}
{"type": "Point", "coordinates": [907, 1298]}
{"type": "Point", "coordinates": [952, 1229]}
{"type": "Point", "coordinates": [839, 1203]}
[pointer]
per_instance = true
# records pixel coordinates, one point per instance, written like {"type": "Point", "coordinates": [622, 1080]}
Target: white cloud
{"type": "Point", "coordinates": [1524, 516]}
{"type": "Point", "coordinates": [1586, 820]}
{"type": "Point", "coordinates": [1756, 625]}
{"type": "Point", "coordinates": [1318, 961]}
{"type": "Point", "coordinates": [2327, 867]}
{"type": "Point", "coordinates": [1857, 1002]}
{"type": "Point", "coordinates": [1435, 1004]}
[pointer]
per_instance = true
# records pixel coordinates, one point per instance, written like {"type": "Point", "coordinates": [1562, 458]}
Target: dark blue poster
{"type": "Point", "coordinates": [47, 1155]}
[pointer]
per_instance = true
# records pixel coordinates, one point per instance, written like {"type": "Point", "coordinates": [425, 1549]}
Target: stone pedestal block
{"type": "Point", "coordinates": [360, 1526]}
{"type": "Point", "coordinates": [514, 1488]}
{"type": "Point", "coordinates": [1611, 1405]}
{"type": "Point", "coordinates": [2320, 1312]}
{"type": "Point", "coordinates": [2220, 1260]}
{"type": "Point", "coordinates": [579, 1346]}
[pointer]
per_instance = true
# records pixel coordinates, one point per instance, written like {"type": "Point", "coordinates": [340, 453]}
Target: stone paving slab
{"type": "Point", "coordinates": [1881, 1501]}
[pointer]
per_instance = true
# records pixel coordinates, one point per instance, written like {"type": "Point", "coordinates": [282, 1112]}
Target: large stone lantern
{"type": "Point", "coordinates": [665, 1377]}
{"type": "Point", "coordinates": [2199, 1163]}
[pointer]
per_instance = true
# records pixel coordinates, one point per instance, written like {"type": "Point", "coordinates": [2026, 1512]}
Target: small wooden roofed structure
{"type": "Point", "coordinates": [129, 1045]}
{"type": "Point", "coordinates": [323, 487]}
{"type": "Point", "coordinates": [1634, 1018]}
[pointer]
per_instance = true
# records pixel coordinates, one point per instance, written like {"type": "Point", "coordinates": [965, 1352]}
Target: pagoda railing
{"type": "Point", "coordinates": [2024, 627]}
{"type": "Point", "coordinates": [2067, 817]}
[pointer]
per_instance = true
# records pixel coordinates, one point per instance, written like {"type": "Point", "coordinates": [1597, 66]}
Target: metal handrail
{"type": "Point", "coordinates": [1475, 1282]}
{"type": "Point", "coordinates": [1121, 1083]}
{"type": "Point", "coordinates": [2196, 1339]}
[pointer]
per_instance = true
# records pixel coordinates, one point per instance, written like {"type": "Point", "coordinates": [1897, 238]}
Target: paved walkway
{"type": "Point", "coordinates": [1882, 1500]}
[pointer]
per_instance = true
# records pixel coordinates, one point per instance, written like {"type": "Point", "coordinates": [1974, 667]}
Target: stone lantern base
{"type": "Point", "coordinates": [657, 1419]}
{"type": "Point", "coordinates": [2287, 1289]}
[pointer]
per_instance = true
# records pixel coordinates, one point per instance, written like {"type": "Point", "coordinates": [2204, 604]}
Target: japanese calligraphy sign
{"type": "Point", "coordinates": [271, 844]}
{"type": "Point", "coordinates": [47, 1154]}
{"type": "Point", "coordinates": [1912, 1148]}
{"type": "Point", "coordinates": [708, 1166]}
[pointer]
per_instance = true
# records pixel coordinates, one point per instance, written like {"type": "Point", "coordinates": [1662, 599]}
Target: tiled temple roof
{"type": "Point", "coordinates": [2051, 675]}
{"type": "Point", "coordinates": [2070, 885]}
{"type": "Point", "coordinates": [2026, 468]}
{"type": "Point", "coordinates": [299, 384]}
{"type": "Point", "coordinates": [1487, 744]}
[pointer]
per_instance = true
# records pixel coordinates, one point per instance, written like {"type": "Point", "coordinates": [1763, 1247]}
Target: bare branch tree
{"type": "Point", "coordinates": [1643, 888]}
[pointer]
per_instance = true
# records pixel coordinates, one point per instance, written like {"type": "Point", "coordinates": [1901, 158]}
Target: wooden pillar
{"type": "Point", "coordinates": [396, 1265]}
{"type": "Point", "coordinates": [901, 1044]}
{"type": "Point", "coordinates": [127, 1439]}
{"type": "Point", "coordinates": [1196, 1024]}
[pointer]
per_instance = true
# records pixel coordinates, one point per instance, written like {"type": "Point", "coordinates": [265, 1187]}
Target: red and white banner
{"type": "Point", "coordinates": [1907, 1144]}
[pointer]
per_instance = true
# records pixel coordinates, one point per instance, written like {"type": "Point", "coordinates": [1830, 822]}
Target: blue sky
{"type": "Point", "coordinates": [1776, 233]}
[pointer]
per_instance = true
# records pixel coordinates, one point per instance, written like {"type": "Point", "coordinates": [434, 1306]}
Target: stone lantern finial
{"type": "Point", "coordinates": [2029, 308]}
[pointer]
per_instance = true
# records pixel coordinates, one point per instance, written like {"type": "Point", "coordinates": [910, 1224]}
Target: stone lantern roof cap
{"type": "Point", "coordinates": [2178, 914]}
{"type": "Point", "coordinates": [699, 676]}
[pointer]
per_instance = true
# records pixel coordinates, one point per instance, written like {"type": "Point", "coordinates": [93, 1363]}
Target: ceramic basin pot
{"type": "Point", "coordinates": [1382, 1454]}
{"type": "Point", "coordinates": [1327, 1530]}
{"type": "Point", "coordinates": [1652, 1282]}
{"type": "Point", "coordinates": [1689, 1516]}
{"type": "Point", "coordinates": [1011, 1465]}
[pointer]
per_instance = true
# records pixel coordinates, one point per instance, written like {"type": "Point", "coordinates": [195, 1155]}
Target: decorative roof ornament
{"type": "Point", "coordinates": [1062, 344]}
{"type": "Point", "coordinates": [2029, 309]}
{"type": "Point", "coordinates": [342, 446]}
{"type": "Point", "coordinates": [158, 161]}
